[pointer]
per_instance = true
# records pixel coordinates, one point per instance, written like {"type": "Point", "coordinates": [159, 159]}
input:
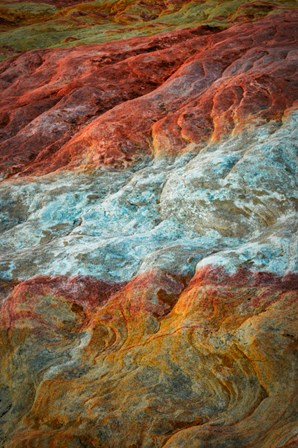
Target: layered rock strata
{"type": "Point", "coordinates": [61, 107]}
{"type": "Point", "coordinates": [148, 264]}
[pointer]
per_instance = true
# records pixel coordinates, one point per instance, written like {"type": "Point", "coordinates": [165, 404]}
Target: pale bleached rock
{"type": "Point", "coordinates": [166, 213]}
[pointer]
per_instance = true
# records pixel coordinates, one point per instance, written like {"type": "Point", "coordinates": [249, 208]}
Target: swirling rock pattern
{"type": "Point", "coordinates": [157, 365]}
{"type": "Point", "coordinates": [148, 205]}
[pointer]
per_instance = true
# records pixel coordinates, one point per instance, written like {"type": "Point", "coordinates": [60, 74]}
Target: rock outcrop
{"type": "Point", "coordinates": [148, 231]}
{"type": "Point", "coordinates": [107, 105]}
{"type": "Point", "coordinates": [159, 364]}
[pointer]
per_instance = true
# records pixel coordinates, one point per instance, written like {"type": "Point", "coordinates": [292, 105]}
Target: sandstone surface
{"type": "Point", "coordinates": [108, 105]}
{"type": "Point", "coordinates": [148, 224]}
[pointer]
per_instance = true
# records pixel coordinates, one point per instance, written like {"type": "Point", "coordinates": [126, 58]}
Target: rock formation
{"type": "Point", "coordinates": [148, 232]}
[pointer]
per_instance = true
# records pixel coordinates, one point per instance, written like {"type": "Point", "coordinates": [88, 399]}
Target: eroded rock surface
{"type": "Point", "coordinates": [148, 229]}
{"type": "Point", "coordinates": [63, 23]}
{"type": "Point", "coordinates": [136, 373]}
{"type": "Point", "coordinates": [61, 107]}
{"type": "Point", "coordinates": [167, 212]}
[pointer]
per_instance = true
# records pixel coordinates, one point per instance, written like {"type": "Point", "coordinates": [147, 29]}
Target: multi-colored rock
{"type": "Point", "coordinates": [149, 257]}
{"type": "Point", "coordinates": [110, 104]}
{"type": "Point", "coordinates": [64, 23]}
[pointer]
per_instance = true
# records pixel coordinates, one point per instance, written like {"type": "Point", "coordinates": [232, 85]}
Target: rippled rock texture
{"type": "Point", "coordinates": [108, 105]}
{"type": "Point", "coordinates": [148, 233]}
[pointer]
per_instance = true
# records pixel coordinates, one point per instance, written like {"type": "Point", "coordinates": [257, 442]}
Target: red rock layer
{"type": "Point", "coordinates": [83, 294]}
{"type": "Point", "coordinates": [49, 95]}
{"type": "Point", "coordinates": [108, 104]}
{"type": "Point", "coordinates": [158, 364]}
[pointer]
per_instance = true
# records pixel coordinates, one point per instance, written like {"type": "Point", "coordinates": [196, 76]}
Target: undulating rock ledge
{"type": "Point", "coordinates": [148, 225]}
{"type": "Point", "coordinates": [234, 201]}
{"type": "Point", "coordinates": [160, 361]}
{"type": "Point", "coordinates": [110, 104]}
